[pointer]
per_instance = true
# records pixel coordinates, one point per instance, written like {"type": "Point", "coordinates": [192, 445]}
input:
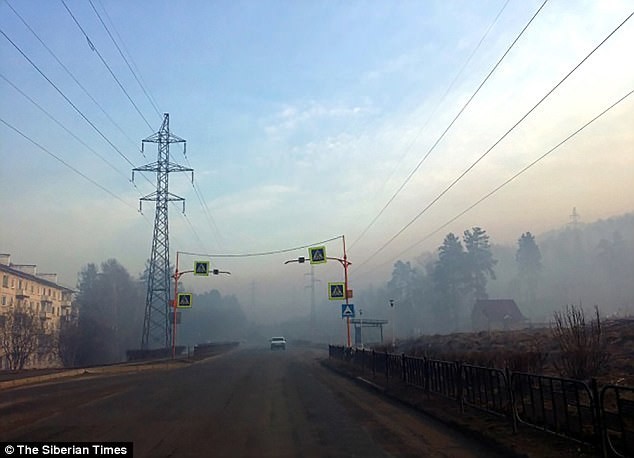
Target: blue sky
{"type": "Point", "coordinates": [302, 118]}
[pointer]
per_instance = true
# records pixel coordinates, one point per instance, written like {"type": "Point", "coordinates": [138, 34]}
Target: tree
{"type": "Point", "coordinates": [479, 262]}
{"type": "Point", "coordinates": [448, 278]}
{"type": "Point", "coordinates": [529, 263]}
{"type": "Point", "coordinates": [213, 317]}
{"type": "Point", "coordinates": [69, 342]}
{"type": "Point", "coordinates": [20, 333]}
{"type": "Point", "coordinates": [405, 288]}
{"type": "Point", "coordinates": [110, 313]}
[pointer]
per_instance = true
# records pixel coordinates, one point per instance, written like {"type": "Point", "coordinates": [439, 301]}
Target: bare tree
{"type": "Point", "coordinates": [582, 347]}
{"type": "Point", "coordinates": [20, 333]}
{"type": "Point", "coordinates": [69, 342]}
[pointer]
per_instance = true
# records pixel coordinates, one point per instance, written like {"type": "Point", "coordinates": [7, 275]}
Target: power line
{"type": "Point", "coordinates": [124, 58]}
{"type": "Point", "coordinates": [66, 98]}
{"type": "Point", "coordinates": [184, 215]}
{"type": "Point", "coordinates": [203, 203]}
{"type": "Point", "coordinates": [94, 48]}
{"type": "Point", "coordinates": [512, 178]}
{"type": "Point", "coordinates": [69, 73]}
{"type": "Point", "coordinates": [429, 118]}
{"type": "Point", "coordinates": [152, 101]}
{"type": "Point", "coordinates": [442, 135]}
{"type": "Point", "coordinates": [453, 183]}
{"type": "Point", "coordinates": [52, 118]}
{"type": "Point", "coordinates": [264, 253]}
{"type": "Point", "coordinates": [66, 164]}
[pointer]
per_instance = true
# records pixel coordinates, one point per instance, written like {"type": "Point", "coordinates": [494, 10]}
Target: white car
{"type": "Point", "coordinates": [278, 343]}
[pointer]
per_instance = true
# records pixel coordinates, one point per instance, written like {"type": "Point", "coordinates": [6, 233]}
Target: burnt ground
{"type": "Point", "coordinates": [529, 350]}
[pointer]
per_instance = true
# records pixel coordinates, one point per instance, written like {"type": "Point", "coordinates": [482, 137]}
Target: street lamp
{"type": "Point", "coordinates": [361, 329]}
{"type": "Point", "coordinates": [345, 263]}
{"type": "Point", "coordinates": [177, 275]}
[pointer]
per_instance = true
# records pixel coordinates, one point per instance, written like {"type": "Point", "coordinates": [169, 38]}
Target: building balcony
{"type": "Point", "coordinates": [46, 300]}
{"type": "Point", "coordinates": [21, 294]}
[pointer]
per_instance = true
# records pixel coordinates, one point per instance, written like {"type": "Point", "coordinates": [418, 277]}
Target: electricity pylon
{"type": "Point", "coordinates": [156, 325]}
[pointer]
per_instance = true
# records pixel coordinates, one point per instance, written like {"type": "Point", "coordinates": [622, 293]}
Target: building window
{"type": "Point", "coordinates": [19, 284]}
{"type": "Point", "coordinates": [5, 281]}
{"type": "Point", "coordinates": [4, 300]}
{"type": "Point", "coordinates": [13, 283]}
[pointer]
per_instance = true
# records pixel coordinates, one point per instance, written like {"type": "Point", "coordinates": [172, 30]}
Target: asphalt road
{"type": "Point", "coordinates": [250, 402]}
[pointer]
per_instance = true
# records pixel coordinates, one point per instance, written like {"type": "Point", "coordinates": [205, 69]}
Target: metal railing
{"type": "Point", "coordinates": [487, 389]}
{"type": "Point", "coordinates": [562, 406]}
{"type": "Point", "coordinates": [566, 407]}
{"type": "Point", "coordinates": [617, 410]}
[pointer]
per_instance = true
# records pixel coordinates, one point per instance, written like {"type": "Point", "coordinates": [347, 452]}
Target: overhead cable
{"type": "Point", "coordinates": [468, 169]}
{"type": "Point", "coordinates": [203, 203]}
{"type": "Point", "coordinates": [66, 98]}
{"type": "Point", "coordinates": [442, 135]}
{"type": "Point", "coordinates": [66, 164]}
{"type": "Point", "coordinates": [515, 176]}
{"type": "Point", "coordinates": [125, 59]}
{"type": "Point", "coordinates": [81, 86]}
{"type": "Point", "coordinates": [263, 253]}
{"type": "Point", "coordinates": [52, 118]}
{"type": "Point", "coordinates": [94, 48]}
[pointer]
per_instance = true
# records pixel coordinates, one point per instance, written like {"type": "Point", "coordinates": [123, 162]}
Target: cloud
{"type": "Point", "coordinates": [302, 115]}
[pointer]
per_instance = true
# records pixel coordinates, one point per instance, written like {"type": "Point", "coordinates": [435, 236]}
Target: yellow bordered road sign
{"type": "Point", "coordinates": [184, 300]}
{"type": "Point", "coordinates": [201, 268]}
{"type": "Point", "coordinates": [335, 291]}
{"type": "Point", "coordinates": [317, 255]}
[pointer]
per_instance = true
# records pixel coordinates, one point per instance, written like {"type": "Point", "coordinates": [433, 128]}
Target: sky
{"type": "Point", "coordinates": [303, 119]}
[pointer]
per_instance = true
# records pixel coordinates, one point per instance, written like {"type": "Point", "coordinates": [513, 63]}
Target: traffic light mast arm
{"type": "Point", "coordinates": [177, 275]}
{"type": "Point", "coordinates": [344, 262]}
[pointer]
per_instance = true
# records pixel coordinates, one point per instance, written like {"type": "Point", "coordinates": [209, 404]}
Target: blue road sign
{"type": "Point", "coordinates": [347, 310]}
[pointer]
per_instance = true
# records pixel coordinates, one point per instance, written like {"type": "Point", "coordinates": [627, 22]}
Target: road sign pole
{"type": "Point", "coordinates": [345, 279]}
{"type": "Point", "coordinates": [174, 303]}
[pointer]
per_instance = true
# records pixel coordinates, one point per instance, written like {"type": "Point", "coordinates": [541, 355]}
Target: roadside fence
{"type": "Point", "coordinates": [565, 407]}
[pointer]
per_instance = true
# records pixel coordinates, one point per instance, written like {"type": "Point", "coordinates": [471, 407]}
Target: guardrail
{"type": "Point", "coordinates": [562, 406]}
{"type": "Point", "coordinates": [617, 408]}
{"type": "Point", "coordinates": [566, 407]}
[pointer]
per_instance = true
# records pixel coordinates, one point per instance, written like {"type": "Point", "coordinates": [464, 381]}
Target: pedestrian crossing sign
{"type": "Point", "coordinates": [347, 310]}
{"type": "Point", "coordinates": [335, 291]}
{"type": "Point", "coordinates": [184, 300]}
{"type": "Point", "coordinates": [317, 255]}
{"type": "Point", "coordinates": [201, 268]}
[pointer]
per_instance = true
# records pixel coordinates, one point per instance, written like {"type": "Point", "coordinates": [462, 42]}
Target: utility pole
{"type": "Point", "coordinates": [156, 326]}
{"type": "Point", "coordinates": [312, 301]}
{"type": "Point", "coordinates": [574, 218]}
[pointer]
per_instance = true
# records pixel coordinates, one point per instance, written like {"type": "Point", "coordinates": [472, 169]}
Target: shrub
{"type": "Point", "coordinates": [581, 345]}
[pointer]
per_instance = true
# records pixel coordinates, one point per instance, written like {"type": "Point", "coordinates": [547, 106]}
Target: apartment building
{"type": "Point", "coordinates": [23, 287]}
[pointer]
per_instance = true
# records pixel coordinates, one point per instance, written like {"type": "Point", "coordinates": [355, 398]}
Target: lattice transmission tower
{"type": "Point", "coordinates": [156, 324]}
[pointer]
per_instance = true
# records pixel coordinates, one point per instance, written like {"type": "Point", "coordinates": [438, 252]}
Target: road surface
{"type": "Point", "coordinates": [250, 402]}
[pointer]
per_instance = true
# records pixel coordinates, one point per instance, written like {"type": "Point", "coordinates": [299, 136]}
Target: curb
{"type": "Point", "coordinates": [122, 368]}
{"type": "Point", "coordinates": [126, 368]}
